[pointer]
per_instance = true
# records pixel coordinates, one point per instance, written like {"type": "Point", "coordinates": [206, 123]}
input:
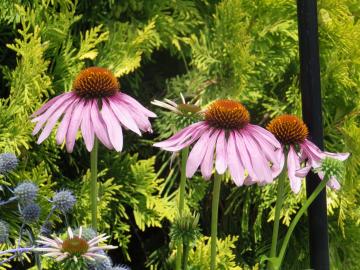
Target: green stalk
{"type": "Point", "coordinates": [278, 206]}
{"type": "Point", "coordinates": [186, 255]}
{"type": "Point", "coordinates": [295, 221]}
{"type": "Point", "coordinates": [93, 184]}
{"type": "Point", "coordinates": [214, 219]}
{"type": "Point", "coordinates": [184, 156]}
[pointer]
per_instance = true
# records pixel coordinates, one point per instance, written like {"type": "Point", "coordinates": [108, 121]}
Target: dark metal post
{"type": "Point", "coordinates": [311, 109]}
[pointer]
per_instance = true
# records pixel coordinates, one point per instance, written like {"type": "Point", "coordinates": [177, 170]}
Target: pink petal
{"type": "Point", "coordinates": [338, 156]}
{"type": "Point", "coordinates": [245, 155]}
{"type": "Point", "coordinates": [74, 125]}
{"type": "Point", "coordinates": [293, 164]}
{"type": "Point", "coordinates": [49, 112]}
{"type": "Point", "coordinates": [99, 125]}
{"type": "Point", "coordinates": [258, 160]}
{"type": "Point", "coordinates": [135, 104]}
{"type": "Point", "coordinates": [87, 128]}
{"type": "Point", "coordinates": [236, 167]}
{"type": "Point", "coordinates": [303, 172]}
{"type": "Point", "coordinates": [124, 115]}
{"type": "Point", "coordinates": [221, 159]}
{"type": "Point", "coordinates": [113, 127]}
{"type": "Point", "coordinates": [264, 134]}
{"type": "Point", "coordinates": [63, 128]}
{"type": "Point", "coordinates": [47, 105]}
{"type": "Point", "coordinates": [333, 183]}
{"type": "Point", "coordinates": [312, 152]}
{"type": "Point", "coordinates": [53, 119]}
{"type": "Point", "coordinates": [197, 154]}
{"type": "Point", "coordinates": [207, 163]}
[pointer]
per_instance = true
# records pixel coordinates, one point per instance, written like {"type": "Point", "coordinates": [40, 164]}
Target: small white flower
{"type": "Point", "coordinates": [73, 247]}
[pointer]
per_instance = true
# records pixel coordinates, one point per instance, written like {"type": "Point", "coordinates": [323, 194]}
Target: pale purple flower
{"type": "Point", "coordinates": [225, 136]}
{"type": "Point", "coordinates": [97, 108]}
{"type": "Point", "coordinates": [73, 247]}
{"type": "Point", "coordinates": [293, 134]}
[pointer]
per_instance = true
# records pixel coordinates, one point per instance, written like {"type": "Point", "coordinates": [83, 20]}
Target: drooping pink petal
{"type": "Point", "coordinates": [87, 128]}
{"type": "Point", "coordinates": [192, 138]}
{"type": "Point", "coordinates": [53, 120]}
{"type": "Point", "coordinates": [63, 127]}
{"type": "Point", "coordinates": [113, 127]}
{"type": "Point", "coordinates": [124, 115]}
{"type": "Point", "coordinates": [235, 165]}
{"type": "Point", "coordinates": [47, 105]}
{"type": "Point", "coordinates": [74, 125]}
{"type": "Point", "coordinates": [244, 154]}
{"type": "Point", "coordinates": [333, 183]}
{"type": "Point", "coordinates": [178, 137]}
{"type": "Point", "coordinates": [135, 104]}
{"type": "Point", "coordinates": [41, 119]}
{"type": "Point", "coordinates": [197, 154]}
{"type": "Point", "coordinates": [293, 164]}
{"type": "Point", "coordinates": [266, 135]}
{"type": "Point", "coordinates": [312, 152]}
{"type": "Point", "coordinates": [338, 156]}
{"type": "Point", "coordinates": [99, 125]}
{"type": "Point", "coordinates": [303, 171]}
{"type": "Point", "coordinates": [208, 161]}
{"type": "Point", "coordinates": [259, 163]}
{"type": "Point", "coordinates": [221, 158]}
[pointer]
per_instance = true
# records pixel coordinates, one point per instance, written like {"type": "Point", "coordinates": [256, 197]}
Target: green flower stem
{"type": "Point", "coordinates": [214, 219]}
{"type": "Point", "coordinates": [295, 221]}
{"type": "Point", "coordinates": [93, 184]}
{"type": "Point", "coordinates": [184, 156]}
{"type": "Point", "coordinates": [185, 255]}
{"type": "Point", "coordinates": [278, 206]}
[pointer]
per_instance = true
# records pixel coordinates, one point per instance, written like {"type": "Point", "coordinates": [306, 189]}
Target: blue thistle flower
{"type": "Point", "coordinates": [87, 233]}
{"type": "Point", "coordinates": [8, 162]}
{"type": "Point", "coordinates": [98, 264]}
{"type": "Point", "coordinates": [26, 192]}
{"type": "Point", "coordinates": [64, 201]}
{"type": "Point", "coordinates": [46, 228]}
{"type": "Point", "coordinates": [31, 213]}
{"type": "Point", "coordinates": [4, 231]}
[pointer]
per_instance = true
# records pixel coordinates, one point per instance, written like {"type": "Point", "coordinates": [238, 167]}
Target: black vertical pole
{"type": "Point", "coordinates": [311, 110]}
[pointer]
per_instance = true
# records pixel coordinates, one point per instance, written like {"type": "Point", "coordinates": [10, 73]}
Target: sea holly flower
{"type": "Point", "coordinates": [293, 136]}
{"type": "Point", "coordinates": [8, 162]}
{"type": "Point", "coordinates": [74, 247]}
{"type": "Point", "coordinates": [97, 107]}
{"type": "Point", "coordinates": [226, 136]}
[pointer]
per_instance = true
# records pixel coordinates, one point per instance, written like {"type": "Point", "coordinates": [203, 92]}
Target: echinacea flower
{"type": "Point", "coordinates": [293, 135]}
{"type": "Point", "coordinates": [226, 136]}
{"type": "Point", "coordinates": [74, 247]}
{"type": "Point", "coordinates": [97, 107]}
{"type": "Point", "coordinates": [183, 108]}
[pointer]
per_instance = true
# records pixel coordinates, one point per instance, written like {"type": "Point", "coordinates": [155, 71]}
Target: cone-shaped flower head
{"type": "Point", "coordinates": [8, 162]}
{"type": "Point", "coordinates": [30, 213]}
{"type": "Point", "coordinates": [64, 201]}
{"type": "Point", "coordinates": [26, 192]}
{"type": "Point", "coordinates": [226, 136]}
{"type": "Point", "coordinates": [74, 247]}
{"type": "Point", "coordinates": [292, 133]}
{"type": "Point", "coordinates": [96, 107]}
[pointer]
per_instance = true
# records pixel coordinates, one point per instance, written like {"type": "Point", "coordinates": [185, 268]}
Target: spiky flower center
{"type": "Point", "coordinates": [75, 246]}
{"type": "Point", "coordinates": [288, 129]}
{"type": "Point", "coordinates": [227, 114]}
{"type": "Point", "coordinates": [95, 82]}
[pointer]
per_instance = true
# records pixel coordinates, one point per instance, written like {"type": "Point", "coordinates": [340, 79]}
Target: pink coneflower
{"type": "Point", "coordinates": [97, 107]}
{"type": "Point", "coordinates": [226, 136]}
{"type": "Point", "coordinates": [293, 135]}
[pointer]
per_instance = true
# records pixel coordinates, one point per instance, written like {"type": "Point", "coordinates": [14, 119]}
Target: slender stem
{"type": "Point", "coordinates": [214, 219]}
{"type": "Point", "coordinates": [184, 156]}
{"type": "Point", "coordinates": [278, 206]}
{"type": "Point", "coordinates": [295, 221]}
{"type": "Point", "coordinates": [185, 255]}
{"type": "Point", "coordinates": [93, 184]}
